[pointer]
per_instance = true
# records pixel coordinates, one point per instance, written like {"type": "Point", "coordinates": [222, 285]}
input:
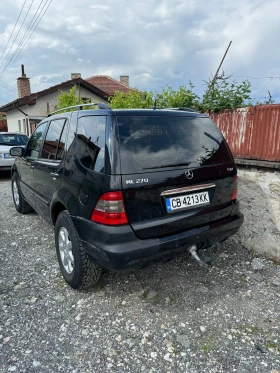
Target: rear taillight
{"type": "Point", "coordinates": [109, 209]}
{"type": "Point", "coordinates": [234, 193]}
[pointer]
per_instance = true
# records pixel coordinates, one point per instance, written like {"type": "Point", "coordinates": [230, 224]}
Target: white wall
{"type": "Point", "coordinates": [40, 109]}
{"type": "Point", "coordinates": [13, 117]}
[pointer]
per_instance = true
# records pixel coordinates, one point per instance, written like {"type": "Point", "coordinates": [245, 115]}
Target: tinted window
{"type": "Point", "coordinates": [13, 140]}
{"type": "Point", "coordinates": [62, 143]}
{"type": "Point", "coordinates": [91, 142]}
{"type": "Point", "coordinates": [35, 141]}
{"type": "Point", "coordinates": [165, 141]}
{"type": "Point", "coordinates": [52, 139]}
{"type": "Point", "coordinates": [71, 143]}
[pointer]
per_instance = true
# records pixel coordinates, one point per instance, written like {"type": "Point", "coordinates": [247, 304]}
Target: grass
{"type": "Point", "coordinates": [273, 346]}
{"type": "Point", "coordinates": [208, 345]}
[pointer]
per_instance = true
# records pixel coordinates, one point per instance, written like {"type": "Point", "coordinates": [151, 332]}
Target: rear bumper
{"type": "Point", "coordinates": [117, 247]}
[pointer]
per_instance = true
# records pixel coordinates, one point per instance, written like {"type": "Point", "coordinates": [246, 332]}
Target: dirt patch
{"type": "Point", "coordinates": [260, 204]}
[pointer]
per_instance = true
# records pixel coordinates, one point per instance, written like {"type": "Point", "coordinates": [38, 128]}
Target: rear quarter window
{"type": "Point", "coordinates": [91, 142]}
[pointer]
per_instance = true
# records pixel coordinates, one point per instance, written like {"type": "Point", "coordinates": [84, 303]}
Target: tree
{"type": "Point", "coordinates": [183, 97]}
{"type": "Point", "coordinates": [66, 99]}
{"type": "Point", "coordinates": [223, 94]}
{"type": "Point", "coordinates": [168, 97]}
{"type": "Point", "coordinates": [3, 123]}
{"type": "Point", "coordinates": [132, 99]}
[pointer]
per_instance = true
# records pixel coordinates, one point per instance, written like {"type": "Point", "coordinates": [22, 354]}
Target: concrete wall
{"type": "Point", "coordinates": [259, 196]}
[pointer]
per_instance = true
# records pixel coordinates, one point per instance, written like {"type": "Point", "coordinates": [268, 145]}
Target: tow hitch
{"type": "Point", "coordinates": [194, 255]}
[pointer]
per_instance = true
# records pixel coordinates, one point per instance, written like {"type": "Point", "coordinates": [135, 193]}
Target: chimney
{"type": "Point", "coordinates": [75, 76]}
{"type": "Point", "coordinates": [124, 79]}
{"type": "Point", "coordinates": [23, 84]}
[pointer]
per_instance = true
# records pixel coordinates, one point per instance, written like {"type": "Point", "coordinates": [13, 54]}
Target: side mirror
{"type": "Point", "coordinates": [16, 151]}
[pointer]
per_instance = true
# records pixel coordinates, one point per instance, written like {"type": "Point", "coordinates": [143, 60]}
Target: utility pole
{"type": "Point", "coordinates": [215, 77]}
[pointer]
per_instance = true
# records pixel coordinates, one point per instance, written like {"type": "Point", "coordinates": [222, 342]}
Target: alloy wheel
{"type": "Point", "coordinates": [65, 250]}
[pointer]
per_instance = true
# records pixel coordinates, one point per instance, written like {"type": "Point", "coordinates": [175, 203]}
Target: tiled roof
{"type": "Point", "coordinates": [107, 84]}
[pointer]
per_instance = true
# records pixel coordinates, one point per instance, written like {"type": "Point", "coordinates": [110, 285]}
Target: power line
{"type": "Point", "coordinates": [17, 33]}
{"type": "Point", "coordinates": [4, 50]}
{"type": "Point", "coordinates": [10, 89]}
{"type": "Point", "coordinates": [6, 93]}
{"type": "Point", "coordinates": [20, 48]}
{"type": "Point", "coordinates": [4, 100]}
{"type": "Point", "coordinates": [30, 24]}
{"type": "Point", "coordinates": [27, 30]}
{"type": "Point", "coordinates": [262, 77]}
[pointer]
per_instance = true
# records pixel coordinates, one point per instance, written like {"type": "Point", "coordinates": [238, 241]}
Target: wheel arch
{"type": "Point", "coordinates": [57, 208]}
{"type": "Point", "coordinates": [14, 169]}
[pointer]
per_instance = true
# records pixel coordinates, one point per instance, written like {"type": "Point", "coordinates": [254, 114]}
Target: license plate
{"type": "Point", "coordinates": [187, 201]}
{"type": "Point", "coordinates": [7, 156]}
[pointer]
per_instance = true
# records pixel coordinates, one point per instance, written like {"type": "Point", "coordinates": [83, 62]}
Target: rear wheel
{"type": "Point", "coordinates": [21, 205]}
{"type": "Point", "coordinates": [78, 270]}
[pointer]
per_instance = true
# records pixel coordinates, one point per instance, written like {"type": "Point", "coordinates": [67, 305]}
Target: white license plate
{"type": "Point", "coordinates": [7, 156]}
{"type": "Point", "coordinates": [186, 201]}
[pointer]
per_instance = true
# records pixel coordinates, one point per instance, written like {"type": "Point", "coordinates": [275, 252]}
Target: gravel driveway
{"type": "Point", "coordinates": [172, 317]}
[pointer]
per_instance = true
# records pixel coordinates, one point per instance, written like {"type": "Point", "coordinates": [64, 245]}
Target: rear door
{"type": "Point", "coordinates": [177, 172]}
{"type": "Point", "coordinates": [48, 169]}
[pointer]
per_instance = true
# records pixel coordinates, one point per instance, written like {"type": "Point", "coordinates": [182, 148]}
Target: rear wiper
{"type": "Point", "coordinates": [168, 165]}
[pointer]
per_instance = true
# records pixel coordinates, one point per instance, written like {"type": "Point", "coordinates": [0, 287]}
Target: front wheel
{"type": "Point", "coordinates": [21, 205]}
{"type": "Point", "coordinates": [78, 270]}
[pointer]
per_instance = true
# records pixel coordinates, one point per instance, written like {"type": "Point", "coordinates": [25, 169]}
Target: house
{"type": "Point", "coordinates": [24, 113]}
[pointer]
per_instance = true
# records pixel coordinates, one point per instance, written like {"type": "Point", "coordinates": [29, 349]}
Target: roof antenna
{"type": "Point", "coordinates": [155, 104]}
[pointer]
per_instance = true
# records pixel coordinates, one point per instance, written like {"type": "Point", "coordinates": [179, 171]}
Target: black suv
{"type": "Point", "coordinates": [124, 188]}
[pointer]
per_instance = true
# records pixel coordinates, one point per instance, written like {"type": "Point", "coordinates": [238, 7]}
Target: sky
{"type": "Point", "coordinates": [154, 42]}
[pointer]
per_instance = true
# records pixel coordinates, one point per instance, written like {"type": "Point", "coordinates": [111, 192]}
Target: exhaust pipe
{"type": "Point", "coordinates": [194, 255]}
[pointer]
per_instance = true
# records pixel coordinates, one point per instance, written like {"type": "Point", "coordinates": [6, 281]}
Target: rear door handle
{"type": "Point", "coordinates": [54, 175]}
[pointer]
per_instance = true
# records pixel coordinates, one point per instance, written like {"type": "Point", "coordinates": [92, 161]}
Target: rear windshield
{"type": "Point", "coordinates": [153, 142]}
{"type": "Point", "coordinates": [13, 140]}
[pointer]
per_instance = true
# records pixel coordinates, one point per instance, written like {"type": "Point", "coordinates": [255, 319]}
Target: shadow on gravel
{"type": "Point", "coordinates": [5, 176]}
{"type": "Point", "coordinates": [181, 282]}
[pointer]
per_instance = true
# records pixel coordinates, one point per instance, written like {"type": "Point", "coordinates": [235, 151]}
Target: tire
{"type": "Point", "coordinates": [21, 205]}
{"type": "Point", "coordinates": [78, 270]}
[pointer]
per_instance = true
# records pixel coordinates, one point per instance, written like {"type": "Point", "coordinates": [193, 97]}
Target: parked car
{"type": "Point", "coordinates": [8, 140]}
{"type": "Point", "coordinates": [125, 188]}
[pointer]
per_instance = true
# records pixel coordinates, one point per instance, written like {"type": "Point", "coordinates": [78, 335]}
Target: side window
{"type": "Point", "coordinates": [62, 143]}
{"type": "Point", "coordinates": [52, 140]}
{"type": "Point", "coordinates": [35, 141]}
{"type": "Point", "coordinates": [91, 142]}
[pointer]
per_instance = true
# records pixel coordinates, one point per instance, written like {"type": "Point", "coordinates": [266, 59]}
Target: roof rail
{"type": "Point", "coordinates": [100, 105]}
{"type": "Point", "coordinates": [181, 108]}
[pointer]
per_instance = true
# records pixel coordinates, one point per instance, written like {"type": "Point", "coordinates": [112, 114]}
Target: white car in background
{"type": "Point", "coordinates": [7, 141]}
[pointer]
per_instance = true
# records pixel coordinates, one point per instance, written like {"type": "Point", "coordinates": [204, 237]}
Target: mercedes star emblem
{"type": "Point", "coordinates": [189, 174]}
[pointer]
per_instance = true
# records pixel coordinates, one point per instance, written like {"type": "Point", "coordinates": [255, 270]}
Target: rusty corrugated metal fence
{"type": "Point", "coordinates": [253, 132]}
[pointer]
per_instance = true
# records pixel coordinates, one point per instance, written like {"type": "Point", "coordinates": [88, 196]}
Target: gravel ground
{"type": "Point", "coordinates": [172, 317]}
